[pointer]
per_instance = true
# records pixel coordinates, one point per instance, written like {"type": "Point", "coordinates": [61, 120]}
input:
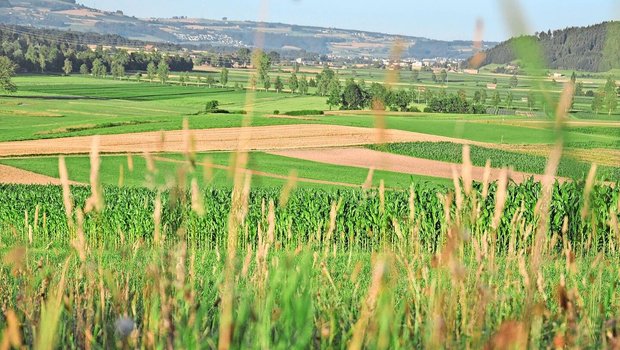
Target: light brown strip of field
{"type": "Point", "coordinates": [11, 175]}
{"type": "Point", "coordinates": [224, 139]}
{"type": "Point", "coordinates": [366, 158]}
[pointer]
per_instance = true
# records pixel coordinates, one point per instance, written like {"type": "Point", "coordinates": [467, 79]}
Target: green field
{"type": "Point", "coordinates": [55, 106]}
{"type": "Point", "coordinates": [70, 106]}
{"type": "Point", "coordinates": [168, 165]}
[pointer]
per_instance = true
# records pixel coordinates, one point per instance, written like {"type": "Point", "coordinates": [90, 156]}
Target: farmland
{"type": "Point", "coordinates": [266, 227]}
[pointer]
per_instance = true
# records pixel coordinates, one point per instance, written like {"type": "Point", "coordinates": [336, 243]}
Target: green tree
{"type": "Point", "coordinates": [352, 96]}
{"type": "Point", "coordinates": [262, 63]}
{"type": "Point", "coordinates": [579, 89]}
{"type": "Point", "coordinates": [163, 71]}
{"type": "Point", "coordinates": [477, 97]}
{"type": "Point", "coordinates": [99, 69]}
{"type": "Point", "coordinates": [293, 82]}
{"type": "Point", "coordinates": [514, 81]}
{"type": "Point", "coordinates": [182, 78]}
{"type": "Point", "coordinates": [278, 84]}
{"type": "Point", "coordinates": [67, 68]}
{"type": "Point", "coordinates": [611, 95]}
{"type": "Point", "coordinates": [497, 99]}
{"type": "Point", "coordinates": [84, 69]}
{"type": "Point", "coordinates": [415, 75]}
{"type": "Point", "coordinates": [7, 71]}
{"type": "Point", "coordinates": [244, 56]}
{"type": "Point", "coordinates": [118, 70]}
{"type": "Point", "coordinates": [138, 76]}
{"type": "Point", "coordinates": [303, 85]}
{"type": "Point", "coordinates": [434, 77]}
{"type": "Point", "coordinates": [531, 101]}
{"type": "Point", "coordinates": [402, 100]}
{"type": "Point", "coordinates": [598, 100]}
{"type": "Point", "coordinates": [509, 99]}
{"type": "Point", "coordinates": [324, 79]}
{"type": "Point", "coordinates": [267, 85]}
{"type": "Point", "coordinates": [428, 95]}
{"type": "Point", "coordinates": [151, 71]}
{"type": "Point", "coordinates": [224, 77]}
{"type": "Point", "coordinates": [43, 55]}
{"type": "Point", "coordinates": [443, 76]}
{"type": "Point", "coordinates": [212, 105]}
{"type": "Point", "coordinates": [483, 96]}
{"type": "Point", "coordinates": [333, 96]}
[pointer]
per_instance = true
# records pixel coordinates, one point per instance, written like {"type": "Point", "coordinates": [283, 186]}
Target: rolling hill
{"type": "Point", "coordinates": [208, 33]}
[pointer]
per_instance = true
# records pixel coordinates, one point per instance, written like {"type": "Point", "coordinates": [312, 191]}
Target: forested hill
{"type": "Point", "coordinates": [593, 48]}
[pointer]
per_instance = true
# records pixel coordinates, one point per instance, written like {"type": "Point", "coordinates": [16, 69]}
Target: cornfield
{"type": "Point", "coordinates": [499, 265]}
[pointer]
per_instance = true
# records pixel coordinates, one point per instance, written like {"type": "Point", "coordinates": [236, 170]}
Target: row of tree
{"type": "Point", "coordinates": [356, 96]}
{"type": "Point", "coordinates": [32, 53]}
{"type": "Point", "coordinates": [606, 97]}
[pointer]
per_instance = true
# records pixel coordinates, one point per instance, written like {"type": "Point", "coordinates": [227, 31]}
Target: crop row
{"type": "Point", "coordinates": [451, 152]}
{"type": "Point", "coordinates": [361, 219]}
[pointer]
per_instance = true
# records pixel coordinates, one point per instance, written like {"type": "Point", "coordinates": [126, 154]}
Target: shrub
{"type": "Point", "coordinates": [212, 106]}
{"type": "Point", "coordinates": [276, 112]}
{"type": "Point", "coordinates": [305, 112]}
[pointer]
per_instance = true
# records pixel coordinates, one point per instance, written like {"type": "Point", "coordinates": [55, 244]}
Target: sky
{"type": "Point", "coordinates": [444, 20]}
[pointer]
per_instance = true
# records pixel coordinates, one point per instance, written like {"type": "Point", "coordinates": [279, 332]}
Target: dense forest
{"type": "Point", "coordinates": [595, 48]}
{"type": "Point", "coordinates": [42, 50]}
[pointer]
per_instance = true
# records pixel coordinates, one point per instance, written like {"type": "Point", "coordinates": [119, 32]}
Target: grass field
{"type": "Point", "coordinates": [265, 164]}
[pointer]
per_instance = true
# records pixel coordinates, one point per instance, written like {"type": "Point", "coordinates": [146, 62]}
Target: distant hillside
{"type": "Point", "coordinates": [593, 48]}
{"type": "Point", "coordinates": [207, 33]}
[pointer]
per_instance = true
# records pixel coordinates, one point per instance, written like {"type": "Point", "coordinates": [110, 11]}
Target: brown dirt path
{"type": "Point", "coordinates": [366, 158]}
{"type": "Point", "coordinates": [11, 175]}
{"type": "Point", "coordinates": [222, 139]}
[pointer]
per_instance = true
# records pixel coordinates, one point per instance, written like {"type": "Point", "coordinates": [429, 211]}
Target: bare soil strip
{"type": "Point", "coordinates": [223, 139]}
{"type": "Point", "coordinates": [11, 175]}
{"type": "Point", "coordinates": [365, 158]}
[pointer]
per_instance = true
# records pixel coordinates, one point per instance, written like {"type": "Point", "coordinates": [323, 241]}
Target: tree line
{"type": "Point", "coordinates": [63, 52]}
{"type": "Point", "coordinates": [357, 95]}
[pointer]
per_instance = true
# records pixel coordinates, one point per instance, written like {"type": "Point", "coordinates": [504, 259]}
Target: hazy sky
{"type": "Point", "coordinates": [447, 19]}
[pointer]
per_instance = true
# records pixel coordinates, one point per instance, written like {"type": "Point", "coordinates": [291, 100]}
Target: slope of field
{"type": "Point", "coordinates": [215, 169]}
{"type": "Point", "coordinates": [12, 175]}
{"type": "Point", "coordinates": [227, 139]}
{"type": "Point", "coordinates": [360, 157]}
